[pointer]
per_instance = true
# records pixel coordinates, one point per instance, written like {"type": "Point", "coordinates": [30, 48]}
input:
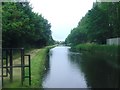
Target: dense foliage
{"type": "Point", "coordinates": [99, 23]}
{"type": "Point", "coordinates": [21, 27]}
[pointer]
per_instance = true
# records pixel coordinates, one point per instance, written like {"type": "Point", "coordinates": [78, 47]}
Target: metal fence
{"type": "Point", "coordinates": [113, 41]}
{"type": "Point", "coordinates": [8, 64]}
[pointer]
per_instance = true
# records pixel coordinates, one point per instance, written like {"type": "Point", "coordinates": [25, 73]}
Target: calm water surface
{"type": "Point", "coordinates": [63, 72]}
{"type": "Point", "coordinates": [65, 69]}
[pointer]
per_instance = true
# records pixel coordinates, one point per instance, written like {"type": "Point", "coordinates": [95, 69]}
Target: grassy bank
{"type": "Point", "coordinates": [38, 57]}
{"type": "Point", "coordinates": [110, 53]}
{"type": "Point", "coordinates": [96, 47]}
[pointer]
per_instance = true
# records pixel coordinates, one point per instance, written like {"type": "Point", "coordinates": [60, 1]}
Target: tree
{"type": "Point", "coordinates": [99, 23]}
{"type": "Point", "coordinates": [22, 27]}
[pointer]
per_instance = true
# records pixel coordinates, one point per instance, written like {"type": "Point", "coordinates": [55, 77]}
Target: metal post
{"type": "Point", "coordinates": [6, 62]}
{"type": "Point", "coordinates": [22, 65]}
{"type": "Point", "coordinates": [2, 68]}
{"type": "Point", "coordinates": [29, 71]}
{"type": "Point", "coordinates": [11, 64]}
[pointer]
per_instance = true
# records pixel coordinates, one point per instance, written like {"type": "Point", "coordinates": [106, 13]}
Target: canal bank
{"type": "Point", "coordinates": [110, 53]}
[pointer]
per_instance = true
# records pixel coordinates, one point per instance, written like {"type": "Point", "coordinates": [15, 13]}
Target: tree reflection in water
{"type": "Point", "coordinates": [97, 71]}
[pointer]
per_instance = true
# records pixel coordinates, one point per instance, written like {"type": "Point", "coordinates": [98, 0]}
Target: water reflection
{"type": "Point", "coordinates": [98, 72]}
{"type": "Point", "coordinates": [62, 72]}
{"type": "Point", "coordinates": [47, 66]}
{"type": "Point", "coordinates": [66, 69]}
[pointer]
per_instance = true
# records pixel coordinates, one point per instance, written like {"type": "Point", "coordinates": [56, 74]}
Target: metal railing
{"type": "Point", "coordinates": [7, 64]}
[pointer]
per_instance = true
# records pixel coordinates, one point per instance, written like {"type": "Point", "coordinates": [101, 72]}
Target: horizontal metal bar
{"type": "Point", "coordinates": [16, 66]}
{"type": "Point", "coordinates": [26, 76]}
{"type": "Point", "coordinates": [3, 76]}
{"type": "Point", "coordinates": [26, 55]}
{"type": "Point", "coordinates": [4, 58]}
{"type": "Point", "coordinates": [11, 48]}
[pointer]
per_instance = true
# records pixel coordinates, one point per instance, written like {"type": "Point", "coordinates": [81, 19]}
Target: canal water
{"type": "Point", "coordinates": [66, 69]}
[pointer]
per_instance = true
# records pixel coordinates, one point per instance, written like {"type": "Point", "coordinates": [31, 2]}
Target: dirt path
{"type": "Point", "coordinates": [32, 53]}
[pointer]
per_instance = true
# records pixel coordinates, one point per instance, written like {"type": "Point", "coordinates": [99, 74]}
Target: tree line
{"type": "Point", "coordinates": [100, 23]}
{"type": "Point", "coordinates": [21, 27]}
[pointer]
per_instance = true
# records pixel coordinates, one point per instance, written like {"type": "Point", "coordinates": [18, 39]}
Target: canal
{"type": "Point", "coordinates": [66, 69]}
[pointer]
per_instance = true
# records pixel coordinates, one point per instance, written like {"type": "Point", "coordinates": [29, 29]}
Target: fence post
{"type": "Point", "coordinates": [29, 71]}
{"type": "Point", "coordinates": [6, 62]}
{"type": "Point", "coordinates": [2, 68]}
{"type": "Point", "coordinates": [22, 65]}
{"type": "Point", "coordinates": [11, 64]}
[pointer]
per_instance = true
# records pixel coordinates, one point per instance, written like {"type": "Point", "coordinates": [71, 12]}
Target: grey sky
{"type": "Point", "coordinates": [63, 15]}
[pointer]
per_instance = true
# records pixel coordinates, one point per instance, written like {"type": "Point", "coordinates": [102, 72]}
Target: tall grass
{"type": "Point", "coordinates": [98, 48]}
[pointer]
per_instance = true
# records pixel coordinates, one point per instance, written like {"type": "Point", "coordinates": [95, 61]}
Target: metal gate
{"type": "Point", "coordinates": [7, 64]}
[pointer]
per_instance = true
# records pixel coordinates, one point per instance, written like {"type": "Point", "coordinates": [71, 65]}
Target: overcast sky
{"type": "Point", "coordinates": [63, 15]}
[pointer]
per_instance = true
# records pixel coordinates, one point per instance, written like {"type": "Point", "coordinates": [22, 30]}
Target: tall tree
{"type": "Point", "coordinates": [22, 27]}
{"type": "Point", "coordinates": [99, 23]}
